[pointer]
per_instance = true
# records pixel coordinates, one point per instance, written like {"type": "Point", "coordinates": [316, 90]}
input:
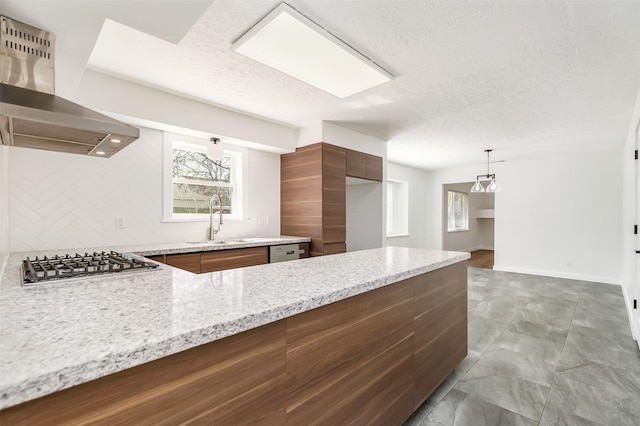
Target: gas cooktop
{"type": "Point", "coordinates": [59, 267]}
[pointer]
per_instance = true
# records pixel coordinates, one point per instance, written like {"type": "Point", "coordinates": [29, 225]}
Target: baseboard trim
{"type": "Point", "coordinates": [469, 250]}
{"type": "Point", "coordinates": [629, 306]}
{"type": "Point", "coordinates": [557, 274]}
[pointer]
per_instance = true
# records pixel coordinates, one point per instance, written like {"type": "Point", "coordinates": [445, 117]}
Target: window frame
{"type": "Point", "coordinates": [397, 208]}
{"type": "Point", "coordinates": [238, 157]}
{"type": "Point", "coordinates": [465, 212]}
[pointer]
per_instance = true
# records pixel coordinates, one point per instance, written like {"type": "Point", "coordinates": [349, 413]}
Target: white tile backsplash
{"type": "Point", "coordinates": [4, 206]}
{"type": "Point", "coordinates": [60, 201]}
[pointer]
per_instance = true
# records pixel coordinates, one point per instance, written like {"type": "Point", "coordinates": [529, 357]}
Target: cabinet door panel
{"type": "Point", "coordinates": [301, 194]}
{"type": "Point", "coordinates": [334, 194]}
{"type": "Point", "coordinates": [234, 258]}
{"type": "Point", "coordinates": [373, 168]}
{"type": "Point", "coordinates": [355, 163]}
{"type": "Point", "coordinates": [348, 361]}
{"type": "Point", "coordinates": [334, 248]}
{"type": "Point", "coordinates": [440, 327]}
{"type": "Point", "coordinates": [187, 261]}
{"type": "Point", "coordinates": [304, 162]}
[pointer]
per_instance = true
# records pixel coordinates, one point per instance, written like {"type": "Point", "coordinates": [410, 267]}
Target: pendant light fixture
{"type": "Point", "coordinates": [493, 186]}
{"type": "Point", "coordinates": [215, 151]}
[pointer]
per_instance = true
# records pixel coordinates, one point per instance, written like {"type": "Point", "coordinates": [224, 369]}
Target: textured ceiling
{"type": "Point", "coordinates": [524, 78]}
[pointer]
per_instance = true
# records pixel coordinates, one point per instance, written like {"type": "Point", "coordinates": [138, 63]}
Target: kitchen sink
{"type": "Point", "coordinates": [234, 241]}
{"type": "Point", "coordinates": [208, 243]}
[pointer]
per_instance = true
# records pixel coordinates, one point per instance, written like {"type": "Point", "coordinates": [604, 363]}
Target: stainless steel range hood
{"type": "Point", "coordinates": [31, 116]}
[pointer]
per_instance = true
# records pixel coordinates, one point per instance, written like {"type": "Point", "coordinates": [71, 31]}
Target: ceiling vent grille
{"type": "Point", "coordinates": [27, 56]}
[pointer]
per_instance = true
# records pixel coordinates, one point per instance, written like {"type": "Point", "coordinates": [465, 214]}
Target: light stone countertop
{"type": "Point", "coordinates": [60, 334]}
{"type": "Point", "coordinates": [226, 244]}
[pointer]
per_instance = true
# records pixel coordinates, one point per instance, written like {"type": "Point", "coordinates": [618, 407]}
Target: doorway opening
{"type": "Point", "coordinates": [469, 222]}
{"type": "Point", "coordinates": [481, 259]}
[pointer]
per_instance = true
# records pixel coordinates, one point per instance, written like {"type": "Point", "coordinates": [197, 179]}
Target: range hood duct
{"type": "Point", "coordinates": [31, 116]}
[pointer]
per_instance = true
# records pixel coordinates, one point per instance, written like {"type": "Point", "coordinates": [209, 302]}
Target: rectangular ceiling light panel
{"type": "Point", "coordinates": [295, 45]}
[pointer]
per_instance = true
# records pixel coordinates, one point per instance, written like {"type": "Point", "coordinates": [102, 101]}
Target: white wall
{"type": "Point", "coordinates": [570, 213]}
{"type": "Point", "coordinates": [419, 198]}
{"type": "Point", "coordinates": [480, 233]}
{"type": "Point", "coordinates": [60, 201]}
{"type": "Point", "coordinates": [630, 285]}
{"type": "Point", "coordinates": [486, 239]}
{"type": "Point", "coordinates": [538, 227]}
{"type": "Point", "coordinates": [363, 216]}
{"type": "Point", "coordinates": [146, 106]}
{"type": "Point", "coordinates": [4, 207]}
{"type": "Point", "coordinates": [324, 131]}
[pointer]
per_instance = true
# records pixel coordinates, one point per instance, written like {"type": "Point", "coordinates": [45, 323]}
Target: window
{"type": "Point", "coordinates": [458, 208]}
{"type": "Point", "coordinates": [192, 178]}
{"type": "Point", "coordinates": [397, 208]}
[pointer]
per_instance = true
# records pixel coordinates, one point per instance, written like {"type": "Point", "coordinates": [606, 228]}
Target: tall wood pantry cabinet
{"type": "Point", "coordinates": [313, 193]}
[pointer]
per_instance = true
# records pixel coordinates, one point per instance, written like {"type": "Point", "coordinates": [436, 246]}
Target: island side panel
{"type": "Point", "coordinates": [236, 380]}
{"type": "Point", "coordinates": [440, 327]}
{"type": "Point", "coordinates": [368, 359]}
{"type": "Point", "coordinates": [350, 362]}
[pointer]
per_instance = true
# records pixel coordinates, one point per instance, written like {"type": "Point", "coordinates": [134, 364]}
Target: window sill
{"type": "Point", "coordinates": [457, 230]}
{"type": "Point", "coordinates": [398, 235]}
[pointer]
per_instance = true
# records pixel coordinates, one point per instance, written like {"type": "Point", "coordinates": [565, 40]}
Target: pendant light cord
{"type": "Point", "coordinates": [488, 151]}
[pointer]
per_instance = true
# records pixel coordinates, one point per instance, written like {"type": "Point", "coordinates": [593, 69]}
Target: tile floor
{"type": "Point", "coordinates": [544, 351]}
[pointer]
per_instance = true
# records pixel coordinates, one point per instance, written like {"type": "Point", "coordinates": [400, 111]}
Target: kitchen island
{"type": "Point", "coordinates": [299, 341]}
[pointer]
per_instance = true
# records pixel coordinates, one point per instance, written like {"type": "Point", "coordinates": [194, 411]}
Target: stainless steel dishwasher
{"type": "Point", "coordinates": [285, 252]}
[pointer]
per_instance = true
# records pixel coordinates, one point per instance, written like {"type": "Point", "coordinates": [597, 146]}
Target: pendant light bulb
{"type": "Point", "coordinates": [215, 151]}
{"type": "Point", "coordinates": [493, 186]}
{"type": "Point", "coordinates": [477, 187]}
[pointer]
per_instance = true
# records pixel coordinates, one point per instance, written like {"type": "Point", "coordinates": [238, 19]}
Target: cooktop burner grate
{"type": "Point", "coordinates": [66, 266]}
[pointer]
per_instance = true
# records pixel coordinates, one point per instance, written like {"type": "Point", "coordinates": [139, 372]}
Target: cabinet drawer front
{"type": "Point", "coordinates": [234, 258]}
{"type": "Point", "coordinates": [188, 261]}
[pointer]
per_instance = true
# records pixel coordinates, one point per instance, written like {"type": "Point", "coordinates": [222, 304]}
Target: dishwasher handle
{"type": "Point", "coordinates": [288, 252]}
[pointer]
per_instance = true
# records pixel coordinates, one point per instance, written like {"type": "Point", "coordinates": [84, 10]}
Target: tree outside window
{"type": "Point", "coordinates": [196, 178]}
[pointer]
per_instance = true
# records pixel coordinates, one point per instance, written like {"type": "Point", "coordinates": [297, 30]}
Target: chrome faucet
{"type": "Point", "coordinates": [213, 231]}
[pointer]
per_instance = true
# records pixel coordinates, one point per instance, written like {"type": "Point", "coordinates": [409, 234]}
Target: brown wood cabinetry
{"type": "Point", "coordinates": [373, 168]}
{"type": "Point", "coordinates": [187, 261]}
{"type": "Point", "coordinates": [356, 163]}
{"type": "Point", "coordinates": [364, 166]}
{"type": "Point", "coordinates": [334, 248]}
{"type": "Point", "coordinates": [354, 353]}
{"type": "Point", "coordinates": [216, 260]}
{"type": "Point", "coordinates": [313, 192]}
{"type": "Point", "coordinates": [369, 359]}
{"type": "Point", "coordinates": [219, 260]}
{"type": "Point", "coordinates": [313, 196]}
{"type": "Point", "coordinates": [233, 381]}
{"type": "Point", "coordinates": [440, 327]}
